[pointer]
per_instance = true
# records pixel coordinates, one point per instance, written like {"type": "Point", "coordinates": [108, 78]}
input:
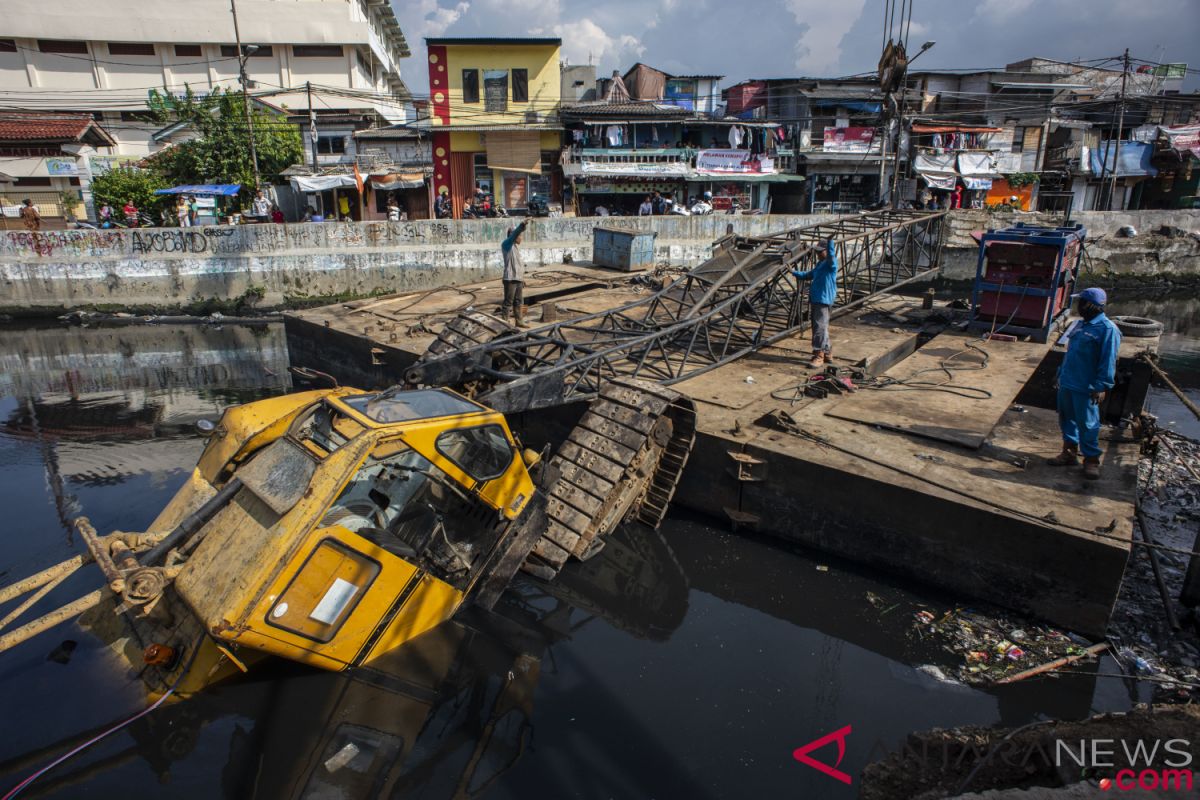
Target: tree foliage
{"type": "Point", "coordinates": [118, 186]}
{"type": "Point", "coordinates": [220, 153]}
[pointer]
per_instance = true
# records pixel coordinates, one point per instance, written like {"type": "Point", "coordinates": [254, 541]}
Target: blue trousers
{"type": "Point", "coordinates": [1079, 419]}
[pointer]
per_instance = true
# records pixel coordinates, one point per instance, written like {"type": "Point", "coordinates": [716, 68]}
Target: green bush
{"type": "Point", "coordinates": [123, 184]}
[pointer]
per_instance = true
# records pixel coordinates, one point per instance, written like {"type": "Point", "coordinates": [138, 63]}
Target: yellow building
{"type": "Point", "coordinates": [493, 107]}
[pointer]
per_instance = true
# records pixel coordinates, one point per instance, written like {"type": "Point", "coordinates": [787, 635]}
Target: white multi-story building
{"type": "Point", "coordinates": [104, 57]}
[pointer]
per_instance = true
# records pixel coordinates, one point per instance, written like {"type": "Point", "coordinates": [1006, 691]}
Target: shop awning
{"type": "Point", "coordinates": [1133, 159]}
{"type": "Point", "coordinates": [219, 189]}
{"type": "Point", "coordinates": [920, 127]}
{"type": "Point", "coordinates": [861, 106]}
{"type": "Point", "coordinates": [515, 152]}
{"type": "Point", "coordinates": [321, 183]}
{"type": "Point", "coordinates": [747, 177]}
{"type": "Point", "coordinates": [398, 180]}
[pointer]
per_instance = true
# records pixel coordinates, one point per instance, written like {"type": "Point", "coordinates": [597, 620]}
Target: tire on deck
{"type": "Point", "coordinates": [621, 462]}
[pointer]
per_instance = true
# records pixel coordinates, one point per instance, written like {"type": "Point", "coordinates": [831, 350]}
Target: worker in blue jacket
{"type": "Point", "coordinates": [1087, 373]}
{"type": "Point", "coordinates": [821, 298]}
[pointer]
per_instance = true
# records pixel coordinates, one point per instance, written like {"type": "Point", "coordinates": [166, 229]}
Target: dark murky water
{"type": "Point", "coordinates": [687, 663]}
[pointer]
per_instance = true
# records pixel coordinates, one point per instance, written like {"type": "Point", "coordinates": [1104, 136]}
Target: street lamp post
{"type": "Point", "coordinates": [242, 56]}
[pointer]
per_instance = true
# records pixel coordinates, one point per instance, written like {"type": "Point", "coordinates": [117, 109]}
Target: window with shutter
{"type": "Point", "coordinates": [495, 90]}
{"type": "Point", "coordinates": [520, 82]}
{"type": "Point", "coordinates": [470, 85]}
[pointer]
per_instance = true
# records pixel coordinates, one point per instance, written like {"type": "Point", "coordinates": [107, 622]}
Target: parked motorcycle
{"type": "Point", "coordinates": [539, 206]}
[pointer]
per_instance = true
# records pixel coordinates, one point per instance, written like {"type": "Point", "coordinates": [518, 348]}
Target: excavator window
{"type": "Point", "coordinates": [404, 504]}
{"type": "Point", "coordinates": [482, 452]}
{"type": "Point", "coordinates": [396, 405]}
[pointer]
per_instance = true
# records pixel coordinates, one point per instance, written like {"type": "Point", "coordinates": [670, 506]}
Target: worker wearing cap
{"type": "Point", "coordinates": [821, 298]}
{"type": "Point", "coordinates": [514, 275]}
{"type": "Point", "coordinates": [1086, 374]}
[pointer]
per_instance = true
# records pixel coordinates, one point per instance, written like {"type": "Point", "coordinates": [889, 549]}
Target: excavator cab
{"type": "Point", "coordinates": [367, 520]}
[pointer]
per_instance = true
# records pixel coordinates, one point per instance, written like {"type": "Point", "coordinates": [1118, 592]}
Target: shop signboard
{"type": "Point", "coordinates": [62, 167]}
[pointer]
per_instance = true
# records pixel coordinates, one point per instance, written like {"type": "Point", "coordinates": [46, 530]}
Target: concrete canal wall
{"type": "Point", "coordinates": [280, 265]}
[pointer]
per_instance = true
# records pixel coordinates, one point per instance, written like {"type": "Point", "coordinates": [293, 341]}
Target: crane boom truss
{"type": "Point", "coordinates": [742, 298]}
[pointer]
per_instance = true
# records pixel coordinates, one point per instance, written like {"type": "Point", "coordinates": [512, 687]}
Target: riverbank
{"type": "Point", "coordinates": [234, 269]}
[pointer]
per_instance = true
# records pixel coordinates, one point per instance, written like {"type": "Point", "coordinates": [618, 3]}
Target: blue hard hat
{"type": "Point", "coordinates": [1093, 295]}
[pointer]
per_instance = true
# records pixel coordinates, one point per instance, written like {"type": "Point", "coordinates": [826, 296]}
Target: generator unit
{"type": "Point", "coordinates": [1024, 278]}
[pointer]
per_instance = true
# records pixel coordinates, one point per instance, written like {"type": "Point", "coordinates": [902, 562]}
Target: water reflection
{"type": "Point", "coordinates": [444, 716]}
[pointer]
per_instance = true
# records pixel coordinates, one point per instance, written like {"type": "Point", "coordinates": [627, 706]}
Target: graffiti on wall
{"type": "Point", "coordinates": [312, 238]}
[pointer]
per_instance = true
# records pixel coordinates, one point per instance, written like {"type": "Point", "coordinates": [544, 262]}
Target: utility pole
{"type": "Point", "coordinates": [312, 138]}
{"type": "Point", "coordinates": [237, 37]}
{"type": "Point", "coordinates": [1120, 127]}
{"type": "Point", "coordinates": [1103, 200]}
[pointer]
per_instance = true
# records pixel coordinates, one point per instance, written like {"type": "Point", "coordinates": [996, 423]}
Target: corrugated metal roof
{"type": "Point", "coordinates": [633, 108]}
{"type": "Point", "coordinates": [424, 126]}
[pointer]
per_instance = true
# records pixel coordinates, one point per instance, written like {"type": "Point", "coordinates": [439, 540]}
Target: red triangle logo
{"type": "Point", "coordinates": [801, 754]}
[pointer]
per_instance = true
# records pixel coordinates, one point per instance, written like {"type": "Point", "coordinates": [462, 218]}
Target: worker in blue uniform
{"type": "Point", "coordinates": [1086, 375]}
{"type": "Point", "coordinates": [821, 297]}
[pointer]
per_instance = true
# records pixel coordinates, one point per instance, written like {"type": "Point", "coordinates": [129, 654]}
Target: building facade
{"type": "Point", "coordinates": [103, 58]}
{"type": "Point", "coordinates": [493, 119]}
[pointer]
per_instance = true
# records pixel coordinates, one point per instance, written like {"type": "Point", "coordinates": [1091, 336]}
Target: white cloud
{"type": "Point", "coordinates": [826, 21]}
{"type": "Point", "coordinates": [1002, 10]}
{"type": "Point", "coordinates": [586, 42]}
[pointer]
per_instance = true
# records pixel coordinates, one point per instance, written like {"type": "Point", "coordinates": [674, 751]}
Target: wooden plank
{"type": "Point", "coordinates": [943, 414]}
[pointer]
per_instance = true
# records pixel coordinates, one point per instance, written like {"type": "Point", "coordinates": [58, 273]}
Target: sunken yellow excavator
{"type": "Point", "coordinates": [330, 527]}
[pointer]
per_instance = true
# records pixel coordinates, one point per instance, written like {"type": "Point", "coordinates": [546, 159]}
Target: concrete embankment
{"type": "Point", "coordinates": [271, 266]}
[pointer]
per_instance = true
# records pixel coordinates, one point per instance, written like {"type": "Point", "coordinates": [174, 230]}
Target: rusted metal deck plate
{"type": "Point", "coordinates": [409, 321]}
{"type": "Point", "coordinates": [983, 379]}
{"type": "Point", "coordinates": [1008, 466]}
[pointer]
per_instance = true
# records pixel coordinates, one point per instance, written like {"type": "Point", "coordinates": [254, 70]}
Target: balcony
{"type": "Point", "coordinates": [651, 162]}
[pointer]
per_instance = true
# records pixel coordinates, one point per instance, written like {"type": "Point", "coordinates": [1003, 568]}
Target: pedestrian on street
{"type": "Point", "coordinates": [261, 206]}
{"type": "Point", "coordinates": [442, 208]}
{"type": "Point", "coordinates": [821, 297]}
{"type": "Point", "coordinates": [105, 216]}
{"type": "Point", "coordinates": [131, 214]}
{"type": "Point", "coordinates": [193, 209]}
{"type": "Point", "coordinates": [514, 276]}
{"type": "Point", "coordinates": [393, 209]}
{"type": "Point", "coordinates": [646, 209]}
{"type": "Point", "coordinates": [1087, 373]}
{"type": "Point", "coordinates": [276, 215]}
{"type": "Point", "coordinates": [657, 204]}
{"type": "Point", "coordinates": [182, 212]}
{"type": "Point", "coordinates": [30, 216]}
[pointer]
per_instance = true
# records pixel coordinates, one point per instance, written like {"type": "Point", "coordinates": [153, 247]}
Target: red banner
{"type": "Point", "coordinates": [849, 140]}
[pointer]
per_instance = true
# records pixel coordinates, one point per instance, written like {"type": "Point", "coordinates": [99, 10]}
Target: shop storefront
{"type": "Point", "coordinates": [621, 195]}
{"type": "Point", "coordinates": [510, 164]}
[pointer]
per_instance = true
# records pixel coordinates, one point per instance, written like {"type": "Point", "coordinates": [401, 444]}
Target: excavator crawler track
{"type": "Point", "coordinates": [621, 462]}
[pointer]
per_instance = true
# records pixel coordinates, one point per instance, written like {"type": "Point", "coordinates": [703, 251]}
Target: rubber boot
{"type": "Point", "coordinates": [1091, 467]}
{"type": "Point", "coordinates": [818, 360]}
{"type": "Point", "coordinates": [1067, 458]}
{"type": "Point", "coordinates": [519, 318]}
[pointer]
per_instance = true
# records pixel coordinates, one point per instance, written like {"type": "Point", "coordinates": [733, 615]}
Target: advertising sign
{"type": "Point", "coordinates": [733, 161]}
{"type": "Point", "coordinates": [850, 140]}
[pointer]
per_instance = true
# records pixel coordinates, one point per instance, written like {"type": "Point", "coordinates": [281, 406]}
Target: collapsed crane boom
{"type": "Point", "coordinates": [742, 298]}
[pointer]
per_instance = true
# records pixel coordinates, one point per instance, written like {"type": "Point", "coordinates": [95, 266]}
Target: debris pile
{"type": "Point", "coordinates": [991, 646]}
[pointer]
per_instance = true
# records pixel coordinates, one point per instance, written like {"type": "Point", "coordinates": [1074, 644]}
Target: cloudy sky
{"type": "Point", "coordinates": [784, 38]}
